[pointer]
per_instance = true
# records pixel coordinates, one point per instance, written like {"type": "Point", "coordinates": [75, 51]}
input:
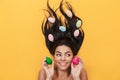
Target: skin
{"type": "Point", "coordinates": [62, 67]}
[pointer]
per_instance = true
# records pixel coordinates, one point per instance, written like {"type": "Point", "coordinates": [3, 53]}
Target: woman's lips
{"type": "Point", "coordinates": [63, 63]}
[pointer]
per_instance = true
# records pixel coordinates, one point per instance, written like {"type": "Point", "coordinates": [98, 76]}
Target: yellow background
{"type": "Point", "coordinates": [22, 45]}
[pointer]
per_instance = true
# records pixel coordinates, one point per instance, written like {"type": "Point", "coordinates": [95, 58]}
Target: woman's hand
{"type": "Point", "coordinates": [49, 70]}
{"type": "Point", "coordinates": [76, 70]}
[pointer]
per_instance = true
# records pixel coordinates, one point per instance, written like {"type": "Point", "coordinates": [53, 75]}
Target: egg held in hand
{"type": "Point", "coordinates": [48, 60]}
{"type": "Point", "coordinates": [75, 60]}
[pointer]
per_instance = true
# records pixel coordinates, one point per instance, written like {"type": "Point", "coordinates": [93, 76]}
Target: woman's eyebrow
{"type": "Point", "coordinates": [58, 52]}
{"type": "Point", "coordinates": [67, 52]}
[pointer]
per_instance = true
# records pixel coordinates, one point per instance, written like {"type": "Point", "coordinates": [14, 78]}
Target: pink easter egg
{"type": "Point", "coordinates": [50, 37]}
{"type": "Point", "coordinates": [51, 20]}
{"type": "Point", "coordinates": [75, 61]}
{"type": "Point", "coordinates": [76, 33]}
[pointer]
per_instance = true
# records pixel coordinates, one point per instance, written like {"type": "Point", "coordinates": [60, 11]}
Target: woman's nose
{"type": "Point", "coordinates": [63, 57]}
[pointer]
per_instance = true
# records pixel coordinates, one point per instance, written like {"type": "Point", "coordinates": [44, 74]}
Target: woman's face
{"type": "Point", "coordinates": [63, 57]}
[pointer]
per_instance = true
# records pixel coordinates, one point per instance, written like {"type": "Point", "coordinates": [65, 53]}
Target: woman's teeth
{"type": "Point", "coordinates": [63, 64]}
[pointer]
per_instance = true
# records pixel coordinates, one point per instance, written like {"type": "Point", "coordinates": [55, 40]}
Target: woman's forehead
{"type": "Point", "coordinates": [63, 48]}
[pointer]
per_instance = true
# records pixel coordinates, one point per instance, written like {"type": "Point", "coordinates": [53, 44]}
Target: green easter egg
{"type": "Point", "coordinates": [79, 23]}
{"type": "Point", "coordinates": [48, 60]}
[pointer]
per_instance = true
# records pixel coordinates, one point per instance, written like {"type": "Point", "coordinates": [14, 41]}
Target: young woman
{"type": "Point", "coordinates": [63, 39]}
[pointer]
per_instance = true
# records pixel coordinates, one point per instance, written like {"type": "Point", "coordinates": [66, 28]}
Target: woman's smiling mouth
{"type": "Point", "coordinates": [63, 63]}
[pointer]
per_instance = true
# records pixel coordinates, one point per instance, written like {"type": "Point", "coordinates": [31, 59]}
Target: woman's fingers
{"type": "Point", "coordinates": [44, 64]}
{"type": "Point", "coordinates": [80, 64]}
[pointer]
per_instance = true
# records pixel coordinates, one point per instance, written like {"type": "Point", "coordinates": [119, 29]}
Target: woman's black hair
{"type": "Point", "coordinates": [62, 38]}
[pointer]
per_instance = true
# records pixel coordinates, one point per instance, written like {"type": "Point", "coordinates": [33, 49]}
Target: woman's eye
{"type": "Point", "coordinates": [58, 55]}
{"type": "Point", "coordinates": [67, 55]}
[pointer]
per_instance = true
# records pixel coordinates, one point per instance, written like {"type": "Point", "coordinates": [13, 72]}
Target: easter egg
{"type": "Point", "coordinates": [51, 20]}
{"type": "Point", "coordinates": [75, 60]}
{"type": "Point", "coordinates": [69, 13]}
{"type": "Point", "coordinates": [48, 60]}
{"type": "Point", "coordinates": [78, 23]}
{"type": "Point", "coordinates": [62, 28]}
{"type": "Point", "coordinates": [50, 37]}
{"type": "Point", "coordinates": [76, 33]}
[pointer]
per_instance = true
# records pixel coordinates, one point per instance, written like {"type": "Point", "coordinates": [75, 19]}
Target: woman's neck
{"type": "Point", "coordinates": [62, 73]}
